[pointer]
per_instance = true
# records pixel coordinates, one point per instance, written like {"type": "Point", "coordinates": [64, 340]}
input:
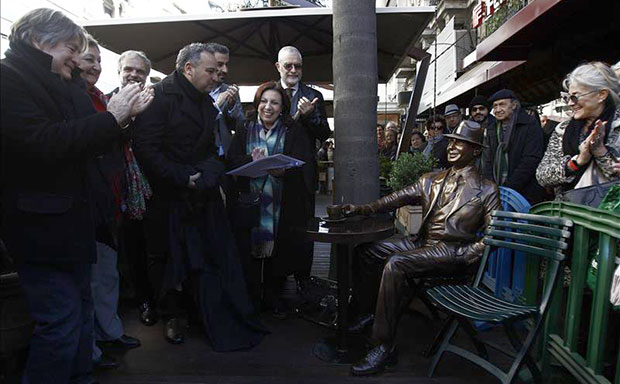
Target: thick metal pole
{"type": "Point", "coordinates": [355, 101]}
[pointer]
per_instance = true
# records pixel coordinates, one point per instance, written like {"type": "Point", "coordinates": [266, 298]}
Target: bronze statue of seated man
{"type": "Point", "coordinates": [456, 206]}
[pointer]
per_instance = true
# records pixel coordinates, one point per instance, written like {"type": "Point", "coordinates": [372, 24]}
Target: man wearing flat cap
{"type": "Point", "coordinates": [453, 117]}
{"type": "Point", "coordinates": [456, 205]}
{"type": "Point", "coordinates": [514, 147]}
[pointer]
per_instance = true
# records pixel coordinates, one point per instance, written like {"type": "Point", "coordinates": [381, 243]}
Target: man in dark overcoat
{"type": "Point", "coordinates": [186, 221]}
{"type": "Point", "coordinates": [514, 147]}
{"type": "Point", "coordinates": [50, 133]}
{"type": "Point", "coordinates": [456, 205]}
{"type": "Point", "coordinates": [308, 108]}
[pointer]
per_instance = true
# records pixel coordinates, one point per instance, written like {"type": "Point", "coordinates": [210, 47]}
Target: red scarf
{"type": "Point", "coordinates": [98, 98]}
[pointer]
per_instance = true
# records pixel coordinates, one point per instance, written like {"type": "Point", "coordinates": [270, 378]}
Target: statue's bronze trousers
{"type": "Point", "coordinates": [385, 272]}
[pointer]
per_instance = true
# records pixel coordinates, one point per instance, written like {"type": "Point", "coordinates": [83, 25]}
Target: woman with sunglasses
{"type": "Point", "coordinates": [270, 246]}
{"type": "Point", "coordinates": [437, 144]}
{"type": "Point", "coordinates": [582, 151]}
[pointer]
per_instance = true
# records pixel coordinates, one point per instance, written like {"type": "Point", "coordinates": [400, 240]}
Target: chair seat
{"type": "Point", "coordinates": [477, 304]}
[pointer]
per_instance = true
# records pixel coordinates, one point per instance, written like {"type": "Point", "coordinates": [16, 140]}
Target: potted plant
{"type": "Point", "coordinates": [405, 171]}
{"type": "Point", "coordinates": [385, 167]}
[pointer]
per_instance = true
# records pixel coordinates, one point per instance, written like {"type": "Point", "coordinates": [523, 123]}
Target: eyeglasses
{"type": "Point", "coordinates": [478, 109]}
{"type": "Point", "coordinates": [435, 128]}
{"type": "Point", "coordinates": [567, 97]}
{"type": "Point", "coordinates": [289, 66]}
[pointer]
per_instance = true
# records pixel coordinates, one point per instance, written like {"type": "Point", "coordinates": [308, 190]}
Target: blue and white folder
{"type": "Point", "coordinates": [261, 167]}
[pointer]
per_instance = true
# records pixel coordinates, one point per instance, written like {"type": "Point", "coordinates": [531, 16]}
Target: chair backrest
{"type": "Point", "coordinates": [535, 235]}
{"type": "Point", "coordinates": [506, 269]}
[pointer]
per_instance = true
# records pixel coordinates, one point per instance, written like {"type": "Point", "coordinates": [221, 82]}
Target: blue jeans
{"type": "Point", "coordinates": [60, 303]}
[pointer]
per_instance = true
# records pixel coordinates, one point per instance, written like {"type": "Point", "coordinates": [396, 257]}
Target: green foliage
{"type": "Point", "coordinates": [502, 14]}
{"type": "Point", "coordinates": [385, 166]}
{"type": "Point", "coordinates": [408, 169]}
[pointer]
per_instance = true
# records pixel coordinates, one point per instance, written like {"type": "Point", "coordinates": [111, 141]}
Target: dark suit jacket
{"type": "Point", "coordinates": [471, 213]}
{"type": "Point", "coordinates": [50, 132]}
{"type": "Point", "coordinates": [525, 151]}
{"type": "Point", "coordinates": [231, 115]}
{"type": "Point", "coordinates": [174, 139]}
{"type": "Point", "coordinates": [316, 126]}
{"type": "Point", "coordinates": [440, 151]}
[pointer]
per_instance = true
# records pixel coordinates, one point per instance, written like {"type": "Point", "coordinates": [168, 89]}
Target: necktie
{"type": "Point", "coordinates": [289, 93]}
{"type": "Point", "coordinates": [449, 189]}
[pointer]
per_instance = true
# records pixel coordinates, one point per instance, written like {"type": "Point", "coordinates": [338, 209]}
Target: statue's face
{"type": "Point", "coordinates": [461, 153]}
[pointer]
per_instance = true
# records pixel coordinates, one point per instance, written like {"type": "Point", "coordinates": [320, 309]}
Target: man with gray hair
{"type": "Point", "coordinates": [50, 133]}
{"type": "Point", "coordinates": [307, 106]}
{"type": "Point", "coordinates": [190, 242]}
{"type": "Point", "coordinates": [134, 68]}
{"type": "Point", "coordinates": [226, 99]}
{"type": "Point", "coordinates": [453, 117]}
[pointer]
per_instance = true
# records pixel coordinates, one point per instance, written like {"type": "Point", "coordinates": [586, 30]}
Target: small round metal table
{"type": "Point", "coordinates": [345, 234]}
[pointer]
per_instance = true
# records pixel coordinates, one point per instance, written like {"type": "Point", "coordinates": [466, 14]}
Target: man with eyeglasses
{"type": "Point", "coordinates": [308, 108]}
{"type": "Point", "coordinates": [479, 112]}
{"type": "Point", "coordinates": [453, 117]}
{"type": "Point", "coordinates": [515, 146]}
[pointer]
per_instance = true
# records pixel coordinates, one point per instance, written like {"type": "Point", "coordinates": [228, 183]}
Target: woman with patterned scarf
{"type": "Point", "coordinates": [582, 151]}
{"type": "Point", "coordinates": [270, 244]}
{"type": "Point", "coordinates": [106, 176]}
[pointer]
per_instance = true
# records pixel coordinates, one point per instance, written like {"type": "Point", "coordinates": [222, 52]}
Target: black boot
{"type": "Point", "coordinates": [376, 361]}
{"type": "Point", "coordinates": [148, 314]}
{"type": "Point", "coordinates": [173, 331]}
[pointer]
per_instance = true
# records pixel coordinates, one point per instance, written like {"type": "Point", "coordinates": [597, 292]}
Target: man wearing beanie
{"type": "Point", "coordinates": [514, 147]}
{"type": "Point", "coordinates": [479, 112]}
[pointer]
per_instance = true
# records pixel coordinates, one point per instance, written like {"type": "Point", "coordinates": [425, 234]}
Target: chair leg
{"type": "Point", "coordinates": [453, 326]}
{"type": "Point", "coordinates": [523, 352]}
{"type": "Point", "coordinates": [473, 335]}
{"type": "Point", "coordinates": [432, 348]}
{"type": "Point", "coordinates": [518, 346]}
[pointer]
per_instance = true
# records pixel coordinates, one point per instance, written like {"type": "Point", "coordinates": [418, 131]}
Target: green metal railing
{"type": "Point", "coordinates": [562, 341]}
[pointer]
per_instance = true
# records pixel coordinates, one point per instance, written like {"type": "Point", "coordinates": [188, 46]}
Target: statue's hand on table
{"type": "Point", "coordinates": [352, 210]}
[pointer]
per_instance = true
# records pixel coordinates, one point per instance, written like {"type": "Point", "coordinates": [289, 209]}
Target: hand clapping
{"type": "Point", "coordinates": [227, 97]}
{"type": "Point", "coordinates": [130, 101]}
{"type": "Point", "coordinates": [305, 106]}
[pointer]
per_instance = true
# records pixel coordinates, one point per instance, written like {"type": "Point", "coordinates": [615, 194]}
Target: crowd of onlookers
{"type": "Point", "coordinates": [137, 177]}
{"type": "Point", "coordinates": [540, 158]}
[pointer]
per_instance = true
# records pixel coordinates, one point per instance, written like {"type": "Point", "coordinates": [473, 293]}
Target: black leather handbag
{"type": "Point", "coordinates": [590, 196]}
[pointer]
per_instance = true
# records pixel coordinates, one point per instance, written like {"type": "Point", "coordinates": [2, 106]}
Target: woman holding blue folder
{"type": "Point", "coordinates": [267, 211]}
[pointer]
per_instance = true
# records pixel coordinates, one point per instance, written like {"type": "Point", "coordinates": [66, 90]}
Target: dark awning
{"type": "Point", "coordinates": [254, 38]}
{"type": "Point", "coordinates": [552, 37]}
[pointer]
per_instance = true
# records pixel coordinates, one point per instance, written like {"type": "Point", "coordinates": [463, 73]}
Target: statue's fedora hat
{"type": "Point", "coordinates": [469, 131]}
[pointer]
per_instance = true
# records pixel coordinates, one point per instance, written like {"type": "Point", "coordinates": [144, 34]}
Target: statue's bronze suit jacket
{"type": "Point", "coordinates": [469, 215]}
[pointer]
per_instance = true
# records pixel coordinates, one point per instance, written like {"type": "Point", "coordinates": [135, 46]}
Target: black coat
{"type": "Point", "coordinates": [440, 151]}
{"type": "Point", "coordinates": [291, 248]}
{"type": "Point", "coordinates": [525, 150]}
{"type": "Point", "coordinates": [50, 133]}
{"type": "Point", "coordinates": [317, 128]}
{"type": "Point", "coordinates": [174, 138]}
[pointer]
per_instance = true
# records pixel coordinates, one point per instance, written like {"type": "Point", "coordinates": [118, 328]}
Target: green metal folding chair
{"type": "Point", "coordinates": [537, 236]}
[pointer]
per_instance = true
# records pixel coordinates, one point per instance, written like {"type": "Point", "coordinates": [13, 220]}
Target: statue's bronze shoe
{"type": "Point", "coordinates": [376, 361]}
